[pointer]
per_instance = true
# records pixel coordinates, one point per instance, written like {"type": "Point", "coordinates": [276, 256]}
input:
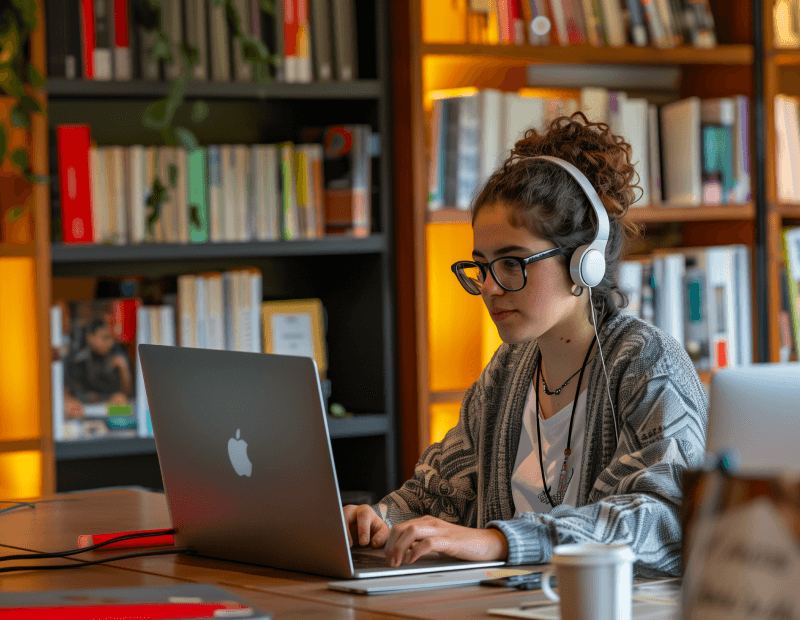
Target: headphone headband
{"type": "Point", "coordinates": [588, 263]}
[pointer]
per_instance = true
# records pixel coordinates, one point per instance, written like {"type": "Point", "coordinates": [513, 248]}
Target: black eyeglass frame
{"type": "Point", "coordinates": [523, 263]}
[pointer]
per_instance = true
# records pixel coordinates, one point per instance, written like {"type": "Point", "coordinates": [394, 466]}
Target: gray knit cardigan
{"type": "Point", "coordinates": [630, 490]}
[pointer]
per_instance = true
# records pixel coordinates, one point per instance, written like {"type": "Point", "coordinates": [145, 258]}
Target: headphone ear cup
{"type": "Point", "coordinates": [575, 265]}
{"type": "Point", "coordinates": [587, 266]}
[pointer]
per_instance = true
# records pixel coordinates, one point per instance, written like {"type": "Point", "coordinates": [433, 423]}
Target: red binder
{"type": "Point", "coordinates": [74, 183]}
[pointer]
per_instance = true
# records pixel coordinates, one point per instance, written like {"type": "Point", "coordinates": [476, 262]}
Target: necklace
{"type": "Point", "coordinates": [557, 391]}
{"type": "Point", "coordinates": [567, 451]}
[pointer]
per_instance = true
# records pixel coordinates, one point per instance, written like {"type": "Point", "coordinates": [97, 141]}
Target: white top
{"type": "Point", "coordinates": [526, 479]}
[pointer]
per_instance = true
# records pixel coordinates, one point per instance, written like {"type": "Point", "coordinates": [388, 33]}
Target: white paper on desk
{"type": "Point", "coordinates": [748, 566]}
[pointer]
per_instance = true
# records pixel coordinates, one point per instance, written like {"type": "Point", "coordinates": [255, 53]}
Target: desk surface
{"type": "Point", "coordinates": [55, 525]}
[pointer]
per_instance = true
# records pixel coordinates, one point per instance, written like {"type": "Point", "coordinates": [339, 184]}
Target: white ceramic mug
{"type": "Point", "coordinates": [594, 581]}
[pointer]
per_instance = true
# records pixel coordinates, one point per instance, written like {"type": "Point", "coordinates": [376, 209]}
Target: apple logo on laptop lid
{"type": "Point", "coordinates": [237, 451]}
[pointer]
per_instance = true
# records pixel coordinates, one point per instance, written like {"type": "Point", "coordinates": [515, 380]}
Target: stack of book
{"type": "Point", "coordinates": [218, 193]}
{"type": "Point", "coordinates": [700, 296]}
{"type": "Point", "coordinates": [660, 23]}
{"type": "Point", "coordinates": [313, 40]}
{"type": "Point", "coordinates": [690, 152]}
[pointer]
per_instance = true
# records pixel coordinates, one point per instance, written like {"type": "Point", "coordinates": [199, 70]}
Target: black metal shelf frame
{"type": "Point", "coordinates": [61, 88]}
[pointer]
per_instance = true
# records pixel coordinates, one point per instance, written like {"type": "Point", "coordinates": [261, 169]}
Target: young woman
{"type": "Point", "coordinates": [570, 434]}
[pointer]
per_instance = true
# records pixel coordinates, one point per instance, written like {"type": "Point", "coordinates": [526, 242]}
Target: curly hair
{"type": "Point", "coordinates": [549, 202]}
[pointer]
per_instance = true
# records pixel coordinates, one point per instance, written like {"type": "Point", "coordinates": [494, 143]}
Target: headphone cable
{"type": "Point", "coordinates": [605, 372]}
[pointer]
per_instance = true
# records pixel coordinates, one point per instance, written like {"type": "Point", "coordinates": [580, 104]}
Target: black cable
{"type": "Point", "coordinates": [81, 564]}
{"type": "Point", "coordinates": [17, 505]}
{"type": "Point", "coordinates": [62, 554]}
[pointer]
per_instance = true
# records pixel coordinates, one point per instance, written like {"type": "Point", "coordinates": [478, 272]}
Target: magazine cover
{"type": "Point", "coordinates": [94, 390]}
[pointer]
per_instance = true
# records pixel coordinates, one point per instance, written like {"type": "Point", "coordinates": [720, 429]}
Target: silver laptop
{"type": "Point", "coordinates": [755, 413]}
{"type": "Point", "coordinates": [247, 466]}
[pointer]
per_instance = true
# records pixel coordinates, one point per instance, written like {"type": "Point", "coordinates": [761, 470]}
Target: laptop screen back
{"type": "Point", "coordinates": [755, 413]}
{"type": "Point", "coordinates": [245, 457]}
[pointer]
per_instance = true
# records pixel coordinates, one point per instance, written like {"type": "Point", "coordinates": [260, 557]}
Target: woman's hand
{"type": "Point", "coordinates": [364, 526]}
{"type": "Point", "coordinates": [410, 540]}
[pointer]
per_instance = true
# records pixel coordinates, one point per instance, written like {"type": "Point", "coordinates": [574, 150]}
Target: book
{"type": "Point", "coordinates": [344, 39]}
{"type": "Point", "coordinates": [137, 192]}
{"type": "Point", "coordinates": [63, 31]}
{"type": "Point", "coordinates": [143, 336]}
{"type": "Point", "coordinates": [290, 225]}
{"type": "Point", "coordinates": [266, 192]}
{"type": "Point", "coordinates": [637, 23]}
{"type": "Point", "coordinates": [635, 128]}
{"type": "Point", "coordinates": [197, 178]}
{"type": "Point", "coordinates": [654, 160]}
{"type": "Point", "coordinates": [216, 199]}
{"type": "Point", "coordinates": [172, 25]}
{"type": "Point", "coordinates": [103, 40]}
{"type": "Point", "coordinates": [303, 50]}
{"type": "Point", "coordinates": [99, 388]}
{"type": "Point", "coordinates": [348, 180]}
{"type": "Point", "coordinates": [197, 37]}
{"type": "Point", "coordinates": [613, 22]}
{"type": "Point", "coordinates": [123, 60]}
{"type": "Point", "coordinates": [791, 250]}
{"type": "Point", "coordinates": [73, 146]}
{"type": "Point", "coordinates": [88, 38]}
{"type": "Point", "coordinates": [468, 164]}
{"type": "Point", "coordinates": [290, 28]}
{"type": "Point", "coordinates": [681, 151]}
{"type": "Point", "coordinates": [218, 32]}
{"type": "Point", "coordinates": [243, 69]}
{"type": "Point", "coordinates": [321, 39]}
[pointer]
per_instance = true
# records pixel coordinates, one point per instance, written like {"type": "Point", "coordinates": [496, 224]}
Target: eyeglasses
{"type": "Point", "coordinates": [509, 272]}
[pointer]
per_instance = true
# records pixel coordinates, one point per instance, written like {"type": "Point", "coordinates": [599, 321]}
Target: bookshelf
{"type": "Point", "coordinates": [434, 52]}
{"type": "Point", "coordinates": [359, 307]}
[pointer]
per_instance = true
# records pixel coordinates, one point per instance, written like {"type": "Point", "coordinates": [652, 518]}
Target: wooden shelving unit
{"type": "Point", "coordinates": [588, 55]}
{"type": "Point", "coordinates": [432, 54]}
{"type": "Point", "coordinates": [653, 214]}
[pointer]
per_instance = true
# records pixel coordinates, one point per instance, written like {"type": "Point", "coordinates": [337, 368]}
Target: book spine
{"type": "Point", "coordinates": [171, 24]}
{"type": "Point", "coordinates": [229, 200]}
{"type": "Point", "coordinates": [256, 284]}
{"type": "Point", "coordinates": [219, 42]}
{"type": "Point", "coordinates": [197, 36]}
{"type": "Point", "coordinates": [243, 69]}
{"type": "Point", "coordinates": [289, 211]}
{"type": "Point", "coordinates": [468, 166]}
{"type": "Point", "coordinates": [182, 195]}
{"type": "Point", "coordinates": [58, 20]}
{"type": "Point", "coordinates": [318, 157]}
{"type": "Point", "coordinates": [321, 39]}
{"type": "Point", "coordinates": [74, 183]}
{"type": "Point", "coordinates": [215, 200]}
{"type": "Point", "coordinates": [290, 40]}
{"type": "Point", "coordinates": [243, 189]}
{"type": "Point", "coordinates": [791, 249]}
{"type": "Point", "coordinates": [57, 370]}
{"type": "Point", "coordinates": [103, 36]}
{"type": "Point", "coordinates": [123, 62]}
{"type": "Point", "coordinates": [198, 196]}
{"type": "Point", "coordinates": [613, 22]}
{"type": "Point", "coordinates": [344, 39]}
{"type": "Point", "coordinates": [304, 72]}
{"type": "Point", "coordinates": [638, 27]}
{"type": "Point", "coordinates": [88, 36]}
{"type": "Point", "coordinates": [137, 190]}
{"type": "Point", "coordinates": [560, 21]}
{"type": "Point", "coordinates": [279, 47]}
{"type": "Point", "coordinates": [143, 424]}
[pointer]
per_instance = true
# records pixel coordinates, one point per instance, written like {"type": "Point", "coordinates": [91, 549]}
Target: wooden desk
{"type": "Point", "coordinates": [56, 525]}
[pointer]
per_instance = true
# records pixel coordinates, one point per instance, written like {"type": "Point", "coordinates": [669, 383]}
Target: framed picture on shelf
{"type": "Point", "coordinates": [295, 327]}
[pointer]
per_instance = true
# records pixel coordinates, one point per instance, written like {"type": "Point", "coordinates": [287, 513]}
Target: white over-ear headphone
{"type": "Point", "coordinates": [588, 264]}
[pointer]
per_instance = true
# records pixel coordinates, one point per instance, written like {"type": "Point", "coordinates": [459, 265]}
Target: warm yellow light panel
{"type": "Point", "coordinates": [20, 475]}
{"type": "Point", "coordinates": [454, 316]}
{"type": "Point", "coordinates": [444, 21]}
{"type": "Point", "coordinates": [444, 416]}
{"type": "Point", "coordinates": [19, 377]}
{"type": "Point", "coordinates": [490, 338]}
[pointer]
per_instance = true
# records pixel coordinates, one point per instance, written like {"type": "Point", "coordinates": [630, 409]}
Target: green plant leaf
{"type": "Point", "coordinates": [35, 78]}
{"type": "Point", "coordinates": [189, 54]}
{"type": "Point", "coordinates": [29, 104]}
{"type": "Point", "coordinates": [220, 2]}
{"type": "Point", "coordinates": [44, 179]}
{"type": "Point", "coordinates": [185, 138]}
{"type": "Point", "coordinates": [18, 116]}
{"type": "Point", "coordinates": [161, 49]}
{"type": "Point", "coordinates": [157, 197]}
{"type": "Point", "coordinates": [15, 213]}
{"type": "Point", "coordinates": [27, 11]}
{"type": "Point", "coordinates": [172, 172]}
{"type": "Point", "coordinates": [199, 111]}
{"type": "Point", "coordinates": [232, 17]}
{"type": "Point", "coordinates": [194, 215]}
{"type": "Point", "coordinates": [10, 39]}
{"type": "Point", "coordinates": [253, 49]}
{"type": "Point", "coordinates": [154, 115]}
{"type": "Point", "coordinates": [3, 143]}
{"type": "Point", "coordinates": [20, 158]}
{"type": "Point", "coordinates": [268, 7]}
{"type": "Point", "coordinates": [9, 81]}
{"type": "Point", "coordinates": [262, 72]}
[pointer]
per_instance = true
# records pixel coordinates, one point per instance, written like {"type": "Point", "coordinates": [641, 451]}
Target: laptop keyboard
{"type": "Point", "coordinates": [372, 560]}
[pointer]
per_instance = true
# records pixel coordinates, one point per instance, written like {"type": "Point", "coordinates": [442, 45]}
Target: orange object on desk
{"type": "Point", "coordinates": [87, 540]}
